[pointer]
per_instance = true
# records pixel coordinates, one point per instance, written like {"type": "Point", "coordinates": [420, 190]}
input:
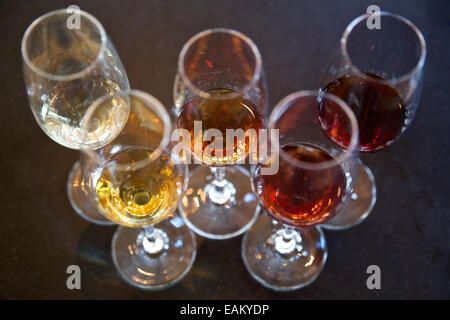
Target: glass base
{"type": "Point", "coordinates": [219, 219]}
{"type": "Point", "coordinates": [80, 201]}
{"type": "Point", "coordinates": [360, 204]}
{"type": "Point", "coordinates": [158, 264]}
{"type": "Point", "coordinates": [283, 265]}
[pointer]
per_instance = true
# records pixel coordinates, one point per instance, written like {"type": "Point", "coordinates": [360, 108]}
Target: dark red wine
{"type": "Point", "coordinates": [299, 196]}
{"type": "Point", "coordinates": [379, 108]}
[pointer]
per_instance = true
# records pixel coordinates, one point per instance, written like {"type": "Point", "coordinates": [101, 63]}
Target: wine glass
{"type": "Point", "coordinates": [137, 183]}
{"type": "Point", "coordinates": [379, 74]}
{"type": "Point", "coordinates": [77, 185]}
{"type": "Point", "coordinates": [220, 87]}
{"type": "Point", "coordinates": [284, 249]}
{"type": "Point", "coordinates": [66, 70]}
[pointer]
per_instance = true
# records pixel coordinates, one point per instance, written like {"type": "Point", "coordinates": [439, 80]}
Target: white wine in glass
{"type": "Point", "coordinates": [137, 182]}
{"type": "Point", "coordinates": [66, 70]}
{"type": "Point", "coordinates": [142, 196]}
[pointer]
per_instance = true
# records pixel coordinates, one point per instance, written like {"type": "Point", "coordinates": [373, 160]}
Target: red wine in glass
{"type": "Point", "coordinates": [299, 196]}
{"type": "Point", "coordinates": [379, 108]}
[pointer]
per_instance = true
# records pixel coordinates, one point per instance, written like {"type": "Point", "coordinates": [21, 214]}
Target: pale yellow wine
{"type": "Point", "coordinates": [139, 195]}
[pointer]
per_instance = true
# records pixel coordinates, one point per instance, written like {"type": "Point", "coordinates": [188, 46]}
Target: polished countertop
{"type": "Point", "coordinates": [407, 234]}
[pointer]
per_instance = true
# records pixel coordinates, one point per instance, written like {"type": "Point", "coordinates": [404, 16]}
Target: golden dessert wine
{"type": "Point", "coordinates": [221, 114]}
{"type": "Point", "coordinates": [142, 193]}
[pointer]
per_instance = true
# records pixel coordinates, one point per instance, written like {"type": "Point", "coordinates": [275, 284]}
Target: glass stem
{"type": "Point", "coordinates": [153, 240]}
{"type": "Point", "coordinates": [288, 232]}
{"type": "Point", "coordinates": [220, 190]}
{"type": "Point", "coordinates": [219, 173]}
{"type": "Point", "coordinates": [287, 240]}
{"type": "Point", "coordinates": [150, 232]}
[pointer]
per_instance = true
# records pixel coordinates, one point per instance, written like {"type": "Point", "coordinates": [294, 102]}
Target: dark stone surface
{"type": "Point", "coordinates": [406, 234]}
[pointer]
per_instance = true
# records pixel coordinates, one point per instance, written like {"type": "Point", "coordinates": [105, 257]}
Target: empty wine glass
{"type": "Point", "coordinates": [136, 182]}
{"type": "Point", "coordinates": [284, 249]}
{"type": "Point", "coordinates": [67, 69]}
{"type": "Point", "coordinates": [220, 88]}
{"type": "Point", "coordinates": [379, 74]}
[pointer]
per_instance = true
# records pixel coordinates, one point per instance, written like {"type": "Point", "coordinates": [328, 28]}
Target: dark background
{"type": "Point", "coordinates": [406, 234]}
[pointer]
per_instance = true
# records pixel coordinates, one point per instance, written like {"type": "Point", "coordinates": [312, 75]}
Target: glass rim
{"type": "Point", "coordinates": [346, 153]}
{"type": "Point", "coordinates": [231, 95]}
{"type": "Point", "coordinates": [71, 76]}
{"type": "Point", "coordinates": [420, 62]}
{"type": "Point", "coordinates": [152, 104]}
